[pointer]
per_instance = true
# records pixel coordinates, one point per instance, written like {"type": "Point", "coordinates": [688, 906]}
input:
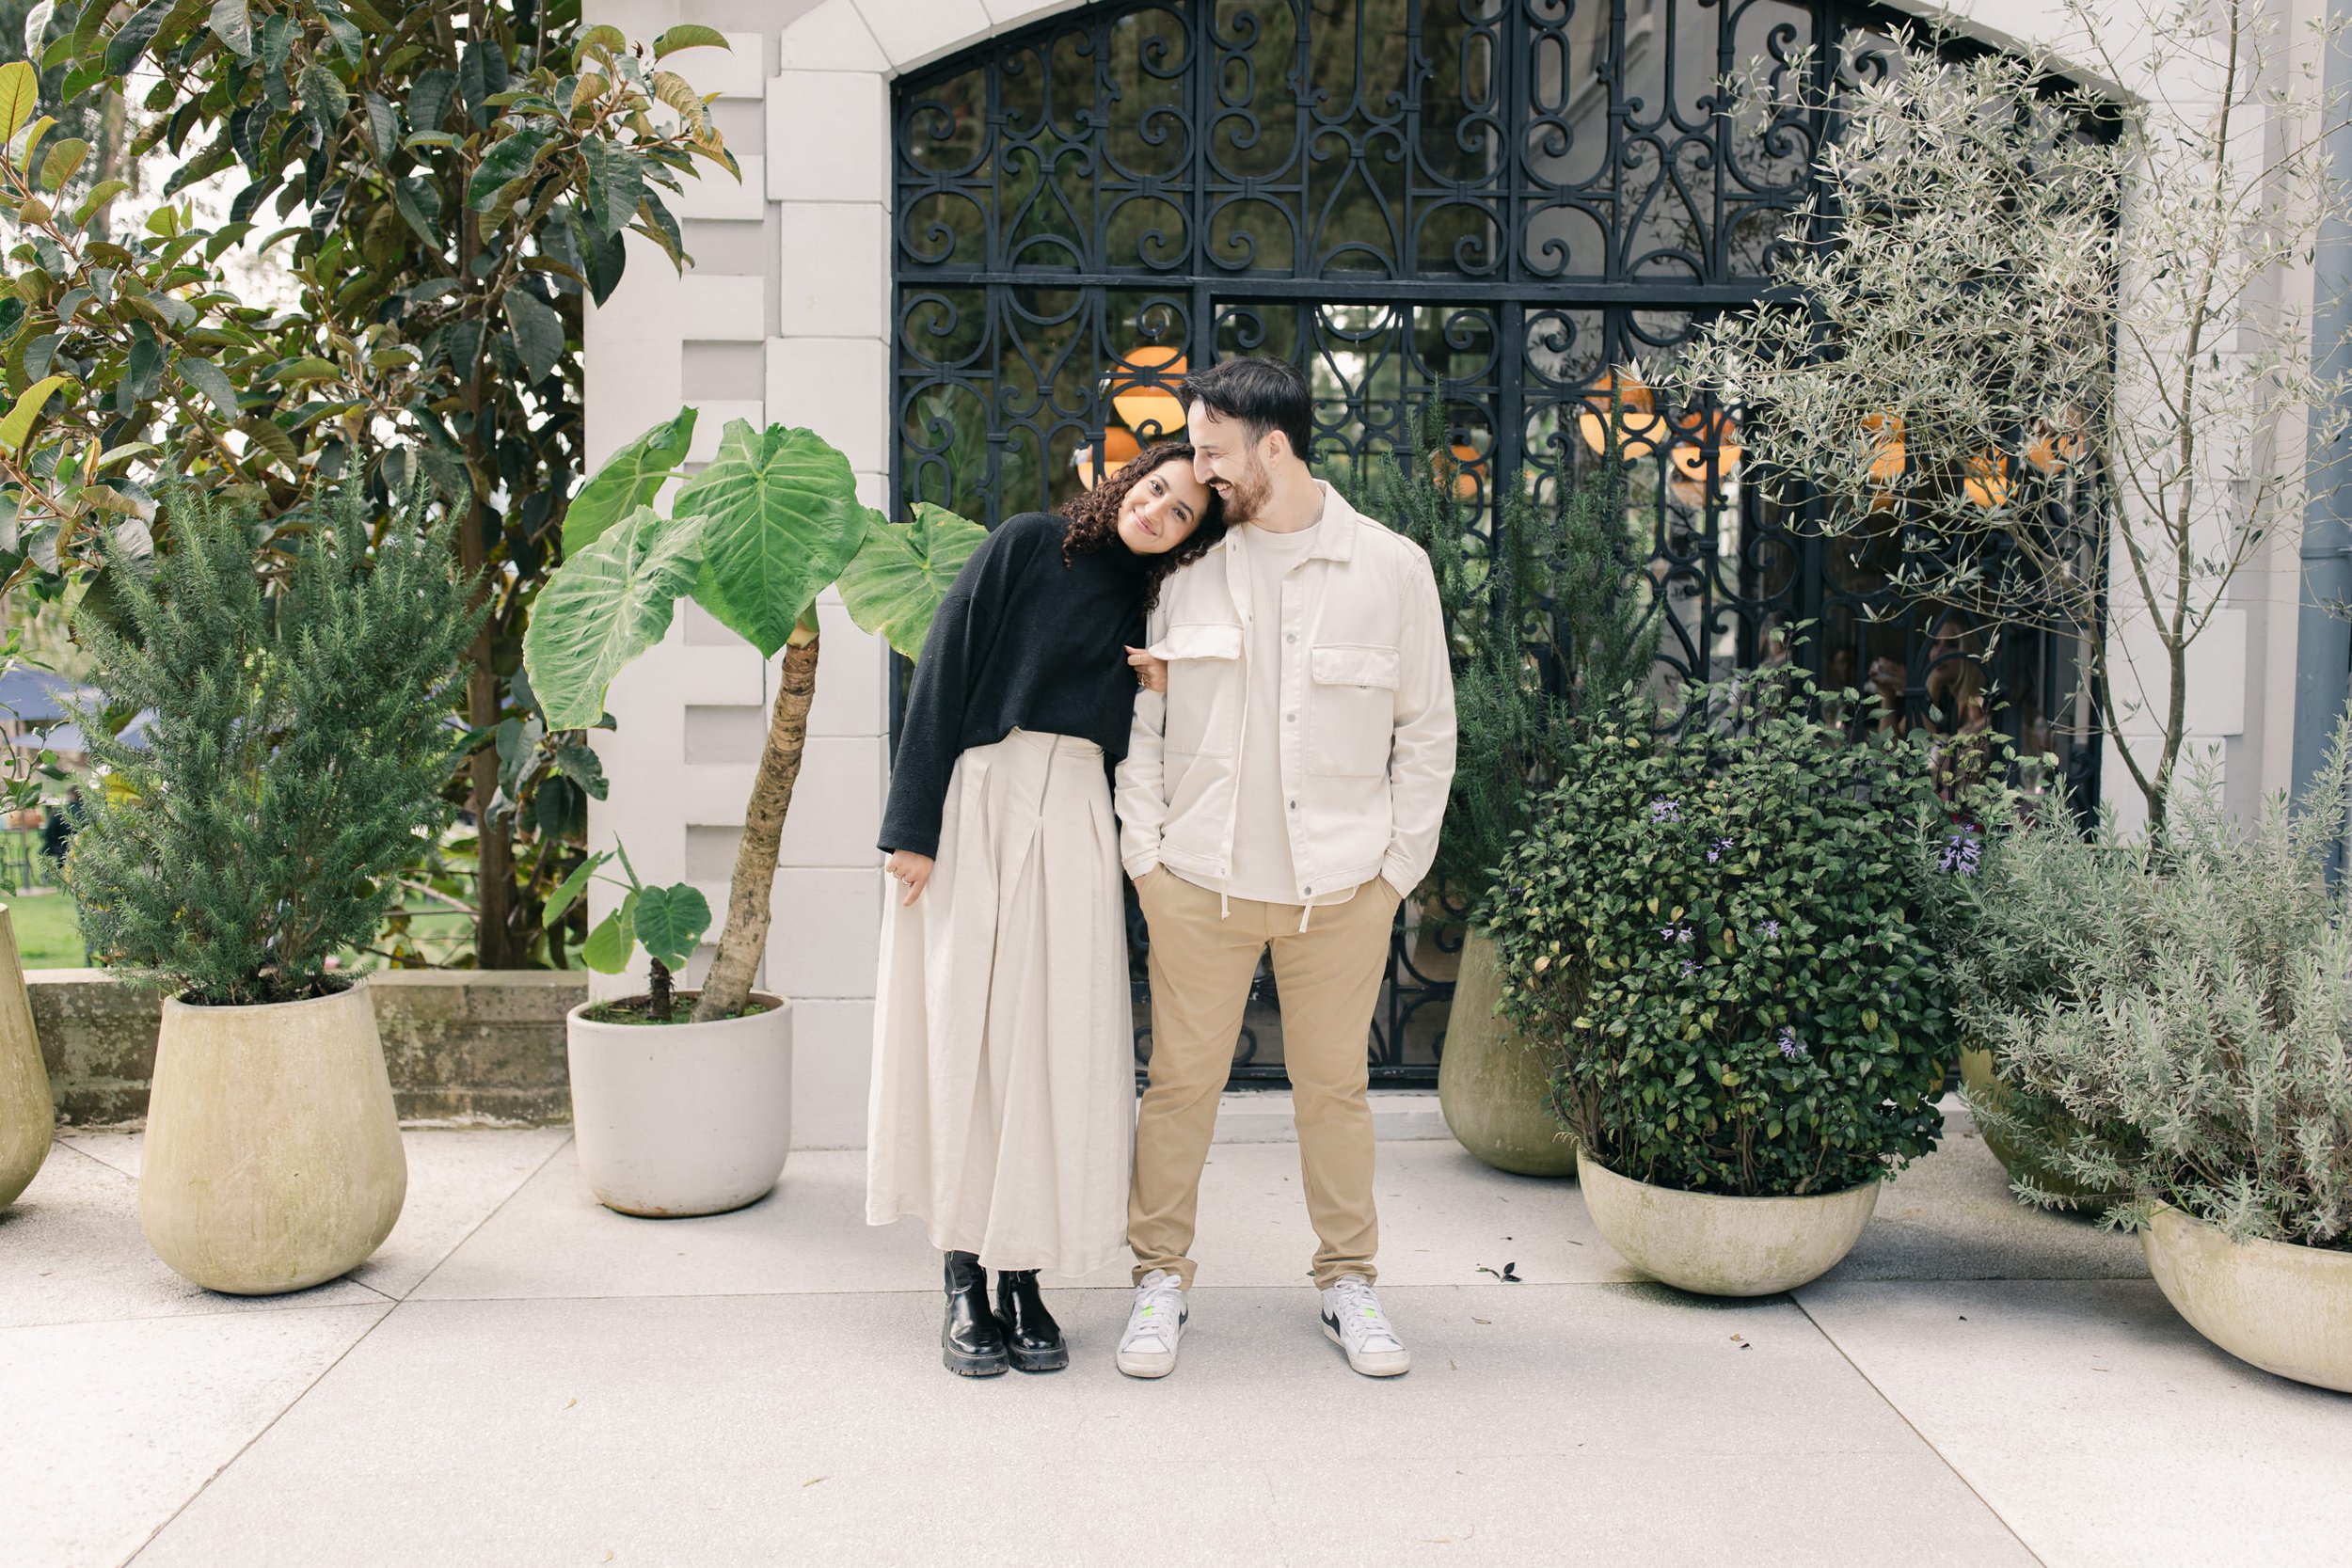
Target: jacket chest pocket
{"type": "Point", "coordinates": [1203, 687]}
{"type": "Point", "coordinates": [1351, 711]}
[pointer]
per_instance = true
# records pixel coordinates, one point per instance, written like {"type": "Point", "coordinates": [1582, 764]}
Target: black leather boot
{"type": "Point", "coordinates": [1031, 1335]}
{"type": "Point", "coordinates": [970, 1341]}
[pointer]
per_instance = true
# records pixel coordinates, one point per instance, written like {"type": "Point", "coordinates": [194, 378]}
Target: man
{"type": "Point", "coordinates": [1285, 791]}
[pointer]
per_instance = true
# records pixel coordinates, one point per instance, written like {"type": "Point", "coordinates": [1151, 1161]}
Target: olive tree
{"type": "Point", "coordinates": [2042, 337]}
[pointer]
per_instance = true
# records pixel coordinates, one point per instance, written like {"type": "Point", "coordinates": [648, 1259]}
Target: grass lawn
{"type": "Point", "coordinates": [49, 935]}
{"type": "Point", "coordinates": [47, 931]}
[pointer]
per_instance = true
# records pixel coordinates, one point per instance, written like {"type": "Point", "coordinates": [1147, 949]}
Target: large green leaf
{"type": "Point", "coordinates": [505, 163]}
{"type": "Point", "coordinates": [211, 380]}
{"type": "Point", "coordinates": [538, 332]}
{"type": "Point", "coordinates": [607, 949]}
{"type": "Point", "coordinates": [603, 608]}
{"type": "Point", "coordinates": [231, 21]}
{"type": "Point", "coordinates": [894, 586]}
{"type": "Point", "coordinates": [568, 891]}
{"type": "Point", "coordinates": [780, 518]}
{"type": "Point", "coordinates": [20, 95]}
{"type": "Point", "coordinates": [19, 423]}
{"type": "Point", "coordinates": [671, 920]}
{"type": "Point", "coordinates": [630, 478]}
{"type": "Point", "coordinates": [688, 36]}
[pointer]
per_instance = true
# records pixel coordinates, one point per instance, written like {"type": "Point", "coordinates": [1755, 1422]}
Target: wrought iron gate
{"type": "Point", "coordinates": [1513, 201]}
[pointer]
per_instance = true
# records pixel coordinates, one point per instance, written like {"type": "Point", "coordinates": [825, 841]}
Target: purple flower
{"type": "Point", "coordinates": [1717, 853]}
{"type": "Point", "coordinates": [1674, 933]}
{"type": "Point", "coordinates": [1771, 929]}
{"type": "Point", "coordinates": [1790, 1049]}
{"type": "Point", "coordinates": [1959, 853]}
{"type": "Point", "coordinates": [1689, 969]}
{"type": "Point", "coordinates": [1665, 810]}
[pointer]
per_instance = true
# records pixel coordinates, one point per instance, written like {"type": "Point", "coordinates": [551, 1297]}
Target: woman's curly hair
{"type": "Point", "coordinates": [1094, 520]}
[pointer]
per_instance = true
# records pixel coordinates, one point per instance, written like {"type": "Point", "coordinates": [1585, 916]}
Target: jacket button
{"type": "Point", "coordinates": [1294, 805]}
{"type": "Point", "coordinates": [1290, 719]}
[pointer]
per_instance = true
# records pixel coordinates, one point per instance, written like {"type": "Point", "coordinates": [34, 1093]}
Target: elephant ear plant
{"type": "Point", "coordinates": [770, 523]}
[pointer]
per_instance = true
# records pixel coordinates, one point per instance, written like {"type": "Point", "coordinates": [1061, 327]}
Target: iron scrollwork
{"type": "Point", "coordinates": [1510, 201]}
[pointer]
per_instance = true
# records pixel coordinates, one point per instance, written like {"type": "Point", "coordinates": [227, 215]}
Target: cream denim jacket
{"type": "Point", "coordinates": [1367, 705]}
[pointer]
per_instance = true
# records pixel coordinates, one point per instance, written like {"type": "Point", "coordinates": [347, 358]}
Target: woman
{"type": "Point", "coordinates": [1003, 1104]}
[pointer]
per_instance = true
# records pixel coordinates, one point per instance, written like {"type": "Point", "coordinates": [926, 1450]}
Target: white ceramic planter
{"type": "Point", "coordinates": [273, 1157]}
{"type": "Point", "coordinates": [2286, 1308]}
{"type": "Point", "coordinates": [1723, 1246]}
{"type": "Point", "coordinates": [682, 1119]}
{"type": "Point", "coordinates": [26, 1116]}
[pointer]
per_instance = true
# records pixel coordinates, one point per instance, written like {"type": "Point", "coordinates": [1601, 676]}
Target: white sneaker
{"type": "Point", "coordinates": [1154, 1325]}
{"type": "Point", "coordinates": [1353, 1320]}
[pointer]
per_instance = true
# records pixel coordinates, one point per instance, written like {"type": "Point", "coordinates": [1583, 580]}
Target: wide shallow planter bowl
{"type": "Point", "coordinates": [672, 1119]}
{"type": "Point", "coordinates": [273, 1158]}
{"type": "Point", "coordinates": [26, 1117]}
{"type": "Point", "coordinates": [1723, 1246]}
{"type": "Point", "coordinates": [2286, 1308]}
{"type": "Point", "coordinates": [1493, 1088]}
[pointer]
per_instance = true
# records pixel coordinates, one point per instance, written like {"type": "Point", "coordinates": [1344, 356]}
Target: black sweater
{"type": "Point", "coordinates": [1020, 641]}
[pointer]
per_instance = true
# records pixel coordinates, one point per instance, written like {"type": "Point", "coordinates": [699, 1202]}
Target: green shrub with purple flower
{"type": "Point", "coordinates": [1717, 931]}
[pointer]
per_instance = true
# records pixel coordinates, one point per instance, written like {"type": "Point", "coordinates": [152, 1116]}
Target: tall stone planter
{"type": "Point", "coordinates": [1493, 1087]}
{"type": "Point", "coordinates": [1980, 1078]}
{"type": "Point", "coordinates": [2285, 1308]}
{"type": "Point", "coordinates": [676, 1119]}
{"type": "Point", "coordinates": [273, 1157]}
{"type": "Point", "coordinates": [1438, 930]}
{"type": "Point", "coordinates": [26, 1116]}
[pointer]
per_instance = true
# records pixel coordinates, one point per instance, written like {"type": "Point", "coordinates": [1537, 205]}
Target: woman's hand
{"type": "Point", "coordinates": [1152, 673]}
{"type": "Point", "coordinates": [912, 871]}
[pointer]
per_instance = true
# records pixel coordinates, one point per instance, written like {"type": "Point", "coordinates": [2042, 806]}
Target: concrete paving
{"type": "Point", "coordinates": [521, 1377]}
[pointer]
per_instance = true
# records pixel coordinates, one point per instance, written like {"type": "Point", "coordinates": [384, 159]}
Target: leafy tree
{"type": "Point", "coordinates": [2042, 353]}
{"type": "Point", "coordinates": [449, 183]}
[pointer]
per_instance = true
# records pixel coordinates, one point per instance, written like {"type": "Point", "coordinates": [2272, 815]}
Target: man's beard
{"type": "Point", "coordinates": [1247, 495]}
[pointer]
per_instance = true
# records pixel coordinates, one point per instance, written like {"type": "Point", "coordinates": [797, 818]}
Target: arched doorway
{"type": "Point", "coordinates": [1503, 203]}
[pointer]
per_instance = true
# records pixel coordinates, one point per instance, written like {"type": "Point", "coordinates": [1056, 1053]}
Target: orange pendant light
{"type": "Point", "coordinates": [1143, 389]}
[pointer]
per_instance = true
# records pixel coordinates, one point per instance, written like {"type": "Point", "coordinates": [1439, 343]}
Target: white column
{"type": "Point", "coordinates": [692, 713]}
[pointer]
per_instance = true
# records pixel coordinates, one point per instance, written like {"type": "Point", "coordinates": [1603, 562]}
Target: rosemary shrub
{"type": "Point", "coordinates": [2198, 1020]}
{"type": "Point", "coordinates": [295, 753]}
{"type": "Point", "coordinates": [1716, 933]}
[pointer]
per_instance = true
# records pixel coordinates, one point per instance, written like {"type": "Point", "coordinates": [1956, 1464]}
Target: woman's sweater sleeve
{"type": "Point", "coordinates": [931, 733]}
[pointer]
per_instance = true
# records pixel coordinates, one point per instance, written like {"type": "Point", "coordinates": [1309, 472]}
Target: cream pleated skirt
{"type": "Point", "coordinates": [1003, 1106]}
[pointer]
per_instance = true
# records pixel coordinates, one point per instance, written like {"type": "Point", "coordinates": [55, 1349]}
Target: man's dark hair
{"type": "Point", "coordinates": [1262, 393]}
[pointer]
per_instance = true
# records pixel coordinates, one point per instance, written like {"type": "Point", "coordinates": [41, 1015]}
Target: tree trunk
{"type": "Point", "coordinates": [728, 986]}
{"type": "Point", "coordinates": [494, 845]}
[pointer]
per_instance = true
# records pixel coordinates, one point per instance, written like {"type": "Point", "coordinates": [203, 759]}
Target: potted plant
{"type": "Point", "coordinates": [2200, 1043]}
{"type": "Point", "coordinates": [1719, 925]}
{"type": "Point", "coordinates": [27, 1116]}
{"type": "Point", "coordinates": [682, 1100]}
{"type": "Point", "coordinates": [2006, 946]}
{"type": "Point", "coordinates": [1549, 628]}
{"type": "Point", "coordinates": [295, 749]}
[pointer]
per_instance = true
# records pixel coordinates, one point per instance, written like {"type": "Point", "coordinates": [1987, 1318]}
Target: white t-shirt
{"type": "Point", "coordinates": [1262, 870]}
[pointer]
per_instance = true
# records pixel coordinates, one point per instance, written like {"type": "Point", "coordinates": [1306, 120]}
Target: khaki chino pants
{"type": "Point", "coordinates": [1329, 977]}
